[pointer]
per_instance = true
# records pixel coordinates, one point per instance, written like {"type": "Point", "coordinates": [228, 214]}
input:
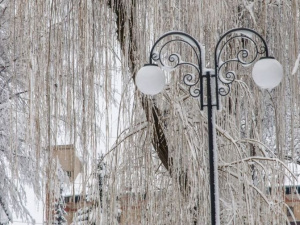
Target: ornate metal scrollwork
{"type": "Point", "coordinates": [244, 56]}
{"type": "Point", "coordinates": [190, 79]}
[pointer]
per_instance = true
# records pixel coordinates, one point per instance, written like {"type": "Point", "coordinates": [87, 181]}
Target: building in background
{"type": "Point", "coordinates": [74, 199]}
{"type": "Point", "coordinates": [291, 194]}
{"type": "Point", "coordinates": [292, 199]}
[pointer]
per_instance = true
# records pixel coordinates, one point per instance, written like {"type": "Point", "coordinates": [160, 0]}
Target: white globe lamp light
{"type": "Point", "coordinates": [150, 79]}
{"type": "Point", "coordinates": [267, 73]}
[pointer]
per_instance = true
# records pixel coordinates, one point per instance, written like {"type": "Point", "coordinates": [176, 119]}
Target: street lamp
{"type": "Point", "coordinates": [267, 73]}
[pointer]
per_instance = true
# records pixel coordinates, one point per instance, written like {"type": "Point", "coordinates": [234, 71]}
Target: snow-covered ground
{"type": "Point", "coordinates": [35, 208]}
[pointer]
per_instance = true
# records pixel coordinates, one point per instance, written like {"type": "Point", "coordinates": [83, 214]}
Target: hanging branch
{"type": "Point", "coordinates": [5, 209]}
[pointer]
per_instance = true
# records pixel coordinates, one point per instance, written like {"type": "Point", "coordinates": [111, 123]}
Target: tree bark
{"type": "Point", "coordinates": [159, 141]}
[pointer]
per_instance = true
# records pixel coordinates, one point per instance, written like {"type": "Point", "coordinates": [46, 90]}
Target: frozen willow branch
{"type": "Point", "coordinates": [75, 70]}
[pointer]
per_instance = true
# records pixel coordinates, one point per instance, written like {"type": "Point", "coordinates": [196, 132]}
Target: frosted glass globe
{"type": "Point", "coordinates": [267, 73]}
{"type": "Point", "coordinates": [150, 79]}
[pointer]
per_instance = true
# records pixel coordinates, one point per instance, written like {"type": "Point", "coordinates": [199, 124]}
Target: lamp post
{"type": "Point", "coordinates": [212, 83]}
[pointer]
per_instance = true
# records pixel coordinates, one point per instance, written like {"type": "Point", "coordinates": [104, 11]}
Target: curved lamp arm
{"type": "Point", "coordinates": [190, 79]}
{"type": "Point", "coordinates": [243, 56]}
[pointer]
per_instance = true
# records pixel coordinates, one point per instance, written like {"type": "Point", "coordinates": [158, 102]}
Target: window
{"type": "Point", "coordinates": [69, 173]}
{"type": "Point", "coordinates": [290, 211]}
{"type": "Point", "coordinates": [77, 198]}
{"type": "Point", "coordinates": [287, 190]}
{"type": "Point", "coordinates": [292, 190]}
{"type": "Point", "coordinates": [269, 191]}
{"type": "Point", "coordinates": [67, 199]}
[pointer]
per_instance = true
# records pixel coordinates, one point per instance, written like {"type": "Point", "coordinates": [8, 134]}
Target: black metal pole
{"type": "Point", "coordinates": [211, 151]}
{"type": "Point", "coordinates": [242, 33]}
